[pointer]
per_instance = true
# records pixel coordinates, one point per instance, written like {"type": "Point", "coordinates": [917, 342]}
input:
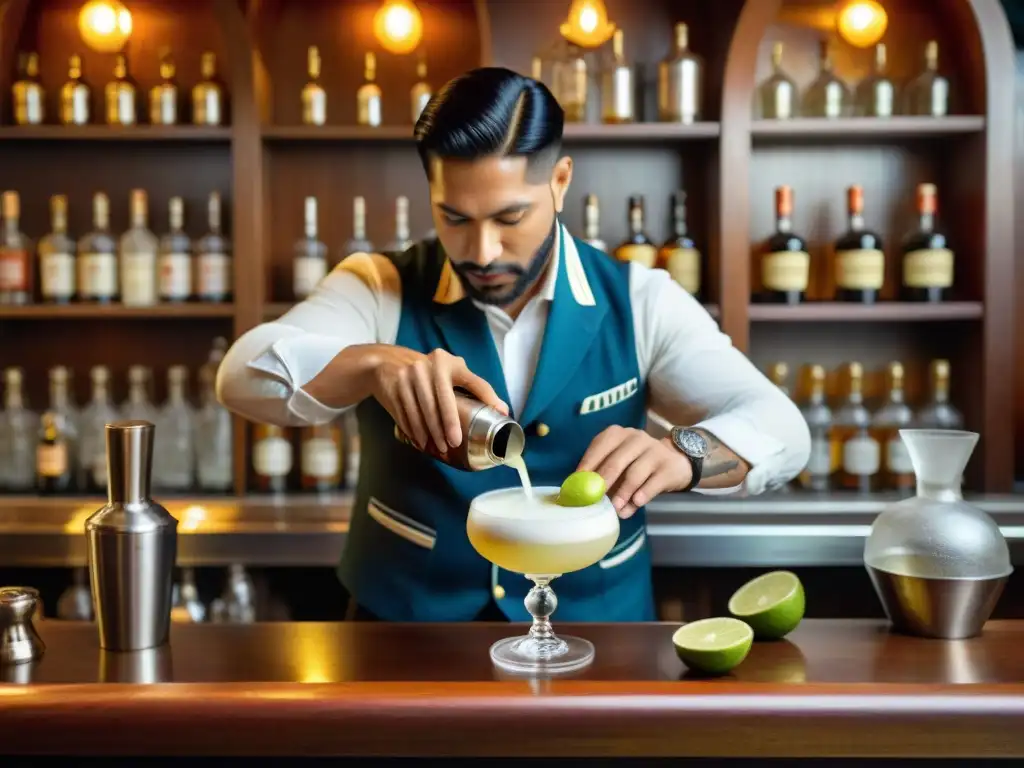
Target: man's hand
{"type": "Point", "coordinates": [636, 467]}
{"type": "Point", "coordinates": [419, 392]}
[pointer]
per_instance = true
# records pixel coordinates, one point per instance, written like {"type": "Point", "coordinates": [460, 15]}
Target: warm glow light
{"type": "Point", "coordinates": [105, 25]}
{"type": "Point", "coordinates": [862, 23]}
{"type": "Point", "coordinates": [398, 26]}
{"type": "Point", "coordinates": [587, 25]}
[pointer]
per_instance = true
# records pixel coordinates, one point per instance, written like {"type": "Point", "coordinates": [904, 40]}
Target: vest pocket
{"type": "Point", "coordinates": [401, 525]}
{"type": "Point", "coordinates": [625, 550]}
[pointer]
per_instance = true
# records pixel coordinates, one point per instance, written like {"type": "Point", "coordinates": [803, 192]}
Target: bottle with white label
{"type": "Point", "coordinates": [359, 243]}
{"type": "Point", "coordinates": [27, 94]}
{"type": "Point", "coordinates": [163, 97]}
{"type": "Point", "coordinates": [174, 444]}
{"type": "Point", "coordinates": [314, 97]}
{"type": "Point", "coordinates": [310, 255]}
{"type": "Point", "coordinates": [57, 256]}
{"type": "Point", "coordinates": [213, 257]}
{"type": "Point", "coordinates": [368, 97]}
{"type": "Point", "coordinates": [97, 257]}
{"type": "Point", "coordinates": [121, 95]}
{"type": "Point", "coordinates": [894, 415]}
{"type": "Point", "coordinates": [75, 95]}
{"type": "Point", "coordinates": [927, 257]}
{"type": "Point", "coordinates": [175, 262]}
{"type": "Point", "coordinates": [138, 248]}
{"type": "Point", "coordinates": [860, 454]}
{"type": "Point", "coordinates": [214, 447]}
{"type": "Point", "coordinates": [402, 240]}
{"type": "Point", "coordinates": [421, 92]}
{"type": "Point", "coordinates": [592, 223]}
{"type": "Point", "coordinates": [876, 94]}
{"type": "Point", "coordinates": [817, 475]}
{"type": "Point", "coordinates": [321, 458]}
{"type": "Point", "coordinates": [208, 100]}
{"type": "Point", "coordinates": [92, 454]}
{"type": "Point", "coordinates": [271, 458]}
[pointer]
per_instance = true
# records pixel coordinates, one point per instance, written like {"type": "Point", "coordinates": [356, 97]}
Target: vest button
{"type": "Point", "coordinates": [543, 430]}
{"type": "Point", "coordinates": [498, 592]}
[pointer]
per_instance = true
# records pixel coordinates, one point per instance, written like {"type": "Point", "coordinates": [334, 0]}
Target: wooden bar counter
{"type": "Point", "coordinates": [834, 688]}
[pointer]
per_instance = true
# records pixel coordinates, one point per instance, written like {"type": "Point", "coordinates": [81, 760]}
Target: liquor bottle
{"type": "Point", "coordinates": [175, 264]}
{"type": "Point", "coordinates": [785, 269]}
{"type": "Point", "coordinates": [53, 470]}
{"type": "Point", "coordinates": [75, 602]}
{"type": "Point", "coordinates": [927, 257]}
{"type": "Point", "coordinates": [321, 458]}
{"type": "Point", "coordinates": [592, 223]}
{"type": "Point", "coordinates": [817, 475]}
{"type": "Point", "coordinates": [827, 96]}
{"type": "Point", "coordinates": [401, 241]}
{"type": "Point", "coordinates": [163, 98]}
{"type": "Point", "coordinates": [569, 81]}
{"type": "Point", "coordinates": [214, 440]}
{"type": "Point", "coordinates": [680, 82]}
{"type": "Point", "coordinates": [174, 440]}
{"type": "Point", "coordinates": [138, 248]}
{"type": "Point", "coordinates": [314, 97]}
{"type": "Point", "coordinates": [637, 246]}
{"type": "Point", "coordinates": [309, 264]}
{"type": "Point", "coordinates": [537, 69]}
{"type": "Point", "coordinates": [186, 604]}
{"type": "Point", "coordinates": [15, 255]}
{"type": "Point", "coordinates": [271, 458]}
{"type": "Point", "coordinates": [92, 454]}
{"type": "Point", "coordinates": [421, 92]}
{"type": "Point", "coordinates": [860, 455]}
{"type": "Point", "coordinates": [358, 243]}
{"type": "Point", "coordinates": [121, 95]}
{"type": "Point", "coordinates": [75, 95]}
{"type": "Point", "coordinates": [57, 256]}
{"type": "Point", "coordinates": [894, 415]}
{"type": "Point", "coordinates": [368, 97]}
{"type": "Point", "coordinates": [18, 426]}
{"type": "Point", "coordinates": [679, 255]}
{"type": "Point", "coordinates": [617, 86]}
{"type": "Point", "coordinates": [859, 257]}
{"type": "Point", "coordinates": [939, 412]}
{"type": "Point", "coordinates": [208, 101]}
{"type": "Point", "coordinates": [876, 94]}
{"type": "Point", "coordinates": [213, 257]}
{"type": "Point", "coordinates": [928, 93]}
{"type": "Point", "coordinates": [97, 257]}
{"type": "Point", "coordinates": [62, 404]}
{"type": "Point", "coordinates": [29, 97]}
{"type": "Point", "coordinates": [778, 95]}
{"type": "Point", "coordinates": [139, 406]}
{"type": "Point", "coordinates": [778, 374]}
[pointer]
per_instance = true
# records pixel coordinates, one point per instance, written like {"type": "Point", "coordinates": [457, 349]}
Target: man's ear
{"type": "Point", "coordinates": [561, 178]}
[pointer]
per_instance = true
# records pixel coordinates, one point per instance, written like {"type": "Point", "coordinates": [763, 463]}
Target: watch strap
{"type": "Point", "coordinates": [697, 465]}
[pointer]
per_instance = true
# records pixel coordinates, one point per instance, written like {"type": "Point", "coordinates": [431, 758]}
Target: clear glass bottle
{"type": "Point", "coordinates": [309, 264]}
{"type": "Point", "coordinates": [823, 460]}
{"type": "Point", "coordinates": [214, 441]}
{"type": "Point", "coordinates": [15, 254]}
{"type": "Point", "coordinates": [139, 405]}
{"type": "Point", "coordinates": [18, 425]}
{"type": "Point", "coordinates": [62, 406]}
{"type": "Point", "coordinates": [679, 255]}
{"type": "Point", "coordinates": [314, 97]}
{"type": "Point", "coordinates": [163, 97]}
{"type": "Point", "coordinates": [778, 95]}
{"type": "Point", "coordinates": [208, 101]}
{"type": "Point", "coordinates": [893, 415]}
{"type": "Point", "coordinates": [637, 246]}
{"type": "Point", "coordinates": [57, 256]}
{"type": "Point", "coordinates": [617, 97]}
{"type": "Point", "coordinates": [237, 605]}
{"type": "Point", "coordinates": [827, 96]}
{"type": "Point", "coordinates": [421, 92]}
{"type": "Point", "coordinates": [592, 223]}
{"type": "Point", "coordinates": [569, 84]}
{"type": "Point", "coordinates": [186, 603]}
{"type": "Point", "coordinates": [213, 257]}
{"type": "Point", "coordinates": [174, 442]}
{"type": "Point", "coordinates": [28, 95]}
{"type": "Point", "coordinates": [97, 257]}
{"type": "Point", "coordinates": [92, 455]}
{"type": "Point", "coordinates": [368, 97]}
{"type": "Point", "coordinates": [939, 412]}
{"type": "Point", "coordinates": [860, 454]}
{"type": "Point", "coordinates": [75, 602]}
{"type": "Point", "coordinates": [928, 93]}
{"type": "Point", "coordinates": [876, 93]}
{"type": "Point", "coordinates": [75, 95]}
{"type": "Point", "coordinates": [358, 243]}
{"type": "Point", "coordinates": [121, 95]}
{"type": "Point", "coordinates": [175, 262]}
{"type": "Point", "coordinates": [138, 250]}
{"type": "Point", "coordinates": [401, 241]}
{"type": "Point", "coordinates": [680, 81]}
{"type": "Point", "coordinates": [321, 458]}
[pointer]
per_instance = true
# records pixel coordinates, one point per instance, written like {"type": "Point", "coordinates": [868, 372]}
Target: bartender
{"type": "Point", "coordinates": [509, 306]}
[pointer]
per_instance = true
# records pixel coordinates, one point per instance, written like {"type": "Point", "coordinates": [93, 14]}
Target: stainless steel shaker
{"type": "Point", "coordinates": [489, 438]}
{"type": "Point", "coordinates": [132, 546]}
{"type": "Point", "coordinates": [19, 641]}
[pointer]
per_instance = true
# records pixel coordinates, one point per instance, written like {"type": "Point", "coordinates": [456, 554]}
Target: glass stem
{"type": "Point", "coordinates": [541, 603]}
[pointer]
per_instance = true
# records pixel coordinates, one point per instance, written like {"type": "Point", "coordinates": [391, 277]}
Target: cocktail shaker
{"type": "Point", "coordinates": [489, 438]}
{"type": "Point", "coordinates": [132, 546]}
{"type": "Point", "coordinates": [19, 641]}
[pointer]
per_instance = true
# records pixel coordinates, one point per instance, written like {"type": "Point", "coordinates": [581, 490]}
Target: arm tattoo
{"type": "Point", "coordinates": [722, 464]}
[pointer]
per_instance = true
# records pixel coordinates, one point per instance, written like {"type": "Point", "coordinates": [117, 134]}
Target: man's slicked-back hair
{"type": "Point", "coordinates": [491, 111]}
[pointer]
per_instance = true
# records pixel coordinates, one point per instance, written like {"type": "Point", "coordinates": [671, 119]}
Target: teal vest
{"type": "Point", "coordinates": [407, 556]}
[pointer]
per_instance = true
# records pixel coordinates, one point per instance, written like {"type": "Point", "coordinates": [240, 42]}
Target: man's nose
{"type": "Point", "coordinates": [487, 246]}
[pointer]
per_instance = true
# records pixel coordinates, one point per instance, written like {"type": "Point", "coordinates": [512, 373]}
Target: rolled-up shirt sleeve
{"type": "Point", "coordinates": [264, 372]}
{"type": "Point", "coordinates": [697, 378]}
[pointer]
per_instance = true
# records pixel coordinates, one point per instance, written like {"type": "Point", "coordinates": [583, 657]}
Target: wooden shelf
{"type": "Point", "coordinates": [162, 133]}
{"type": "Point", "coordinates": [114, 311]}
{"type": "Point", "coordinates": [815, 312]}
{"type": "Point", "coordinates": [866, 129]}
{"type": "Point", "coordinates": [278, 308]}
{"type": "Point", "coordinates": [591, 132]}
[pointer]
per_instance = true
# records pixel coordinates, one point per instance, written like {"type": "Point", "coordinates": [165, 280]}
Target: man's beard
{"type": "Point", "coordinates": [525, 276]}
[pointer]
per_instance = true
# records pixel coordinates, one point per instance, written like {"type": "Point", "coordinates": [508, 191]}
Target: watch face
{"type": "Point", "coordinates": [692, 443]}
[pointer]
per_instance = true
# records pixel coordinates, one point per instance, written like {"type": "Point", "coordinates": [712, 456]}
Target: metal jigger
{"type": "Point", "coordinates": [132, 547]}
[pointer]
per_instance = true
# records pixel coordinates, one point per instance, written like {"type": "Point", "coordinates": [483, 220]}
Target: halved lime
{"type": "Point", "coordinates": [713, 646]}
{"type": "Point", "coordinates": [772, 604]}
{"type": "Point", "coordinates": [581, 489]}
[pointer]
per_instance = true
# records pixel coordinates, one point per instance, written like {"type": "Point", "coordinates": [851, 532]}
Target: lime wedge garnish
{"type": "Point", "coordinates": [581, 489]}
{"type": "Point", "coordinates": [713, 646]}
{"type": "Point", "coordinates": [772, 604]}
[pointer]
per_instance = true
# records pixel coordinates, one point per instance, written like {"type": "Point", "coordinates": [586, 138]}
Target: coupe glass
{"type": "Point", "coordinates": [538, 538]}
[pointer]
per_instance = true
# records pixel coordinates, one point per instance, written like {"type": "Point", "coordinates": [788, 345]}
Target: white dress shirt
{"type": "Point", "coordinates": [694, 375]}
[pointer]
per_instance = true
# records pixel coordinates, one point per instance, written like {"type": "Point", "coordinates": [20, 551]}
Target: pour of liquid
{"type": "Point", "coordinates": [519, 466]}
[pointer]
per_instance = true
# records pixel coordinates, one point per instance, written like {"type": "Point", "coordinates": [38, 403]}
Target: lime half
{"type": "Point", "coordinates": [713, 646]}
{"type": "Point", "coordinates": [772, 604]}
{"type": "Point", "coordinates": [581, 489]}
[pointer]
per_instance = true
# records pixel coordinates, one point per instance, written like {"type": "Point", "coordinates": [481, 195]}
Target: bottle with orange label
{"type": "Point", "coordinates": [637, 246]}
{"type": "Point", "coordinates": [679, 255]}
{"type": "Point", "coordinates": [927, 257]}
{"type": "Point", "coordinates": [786, 267]}
{"type": "Point", "coordinates": [15, 255]}
{"type": "Point", "coordinates": [859, 258]}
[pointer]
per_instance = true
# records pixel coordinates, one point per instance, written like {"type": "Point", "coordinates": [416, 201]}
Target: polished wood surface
{"type": "Point", "coordinates": [833, 688]}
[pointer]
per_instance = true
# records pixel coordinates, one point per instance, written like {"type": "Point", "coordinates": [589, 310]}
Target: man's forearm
{"type": "Point", "coordinates": [346, 380]}
{"type": "Point", "coordinates": [722, 468]}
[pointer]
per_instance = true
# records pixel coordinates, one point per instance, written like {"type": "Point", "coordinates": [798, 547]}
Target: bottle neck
{"type": "Point", "coordinates": [856, 221]}
{"type": "Point", "coordinates": [927, 222]}
{"type": "Point", "coordinates": [939, 492]}
{"type": "Point", "coordinates": [783, 223]}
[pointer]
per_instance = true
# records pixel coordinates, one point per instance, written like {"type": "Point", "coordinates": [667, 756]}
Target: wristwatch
{"type": "Point", "coordinates": [695, 447]}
